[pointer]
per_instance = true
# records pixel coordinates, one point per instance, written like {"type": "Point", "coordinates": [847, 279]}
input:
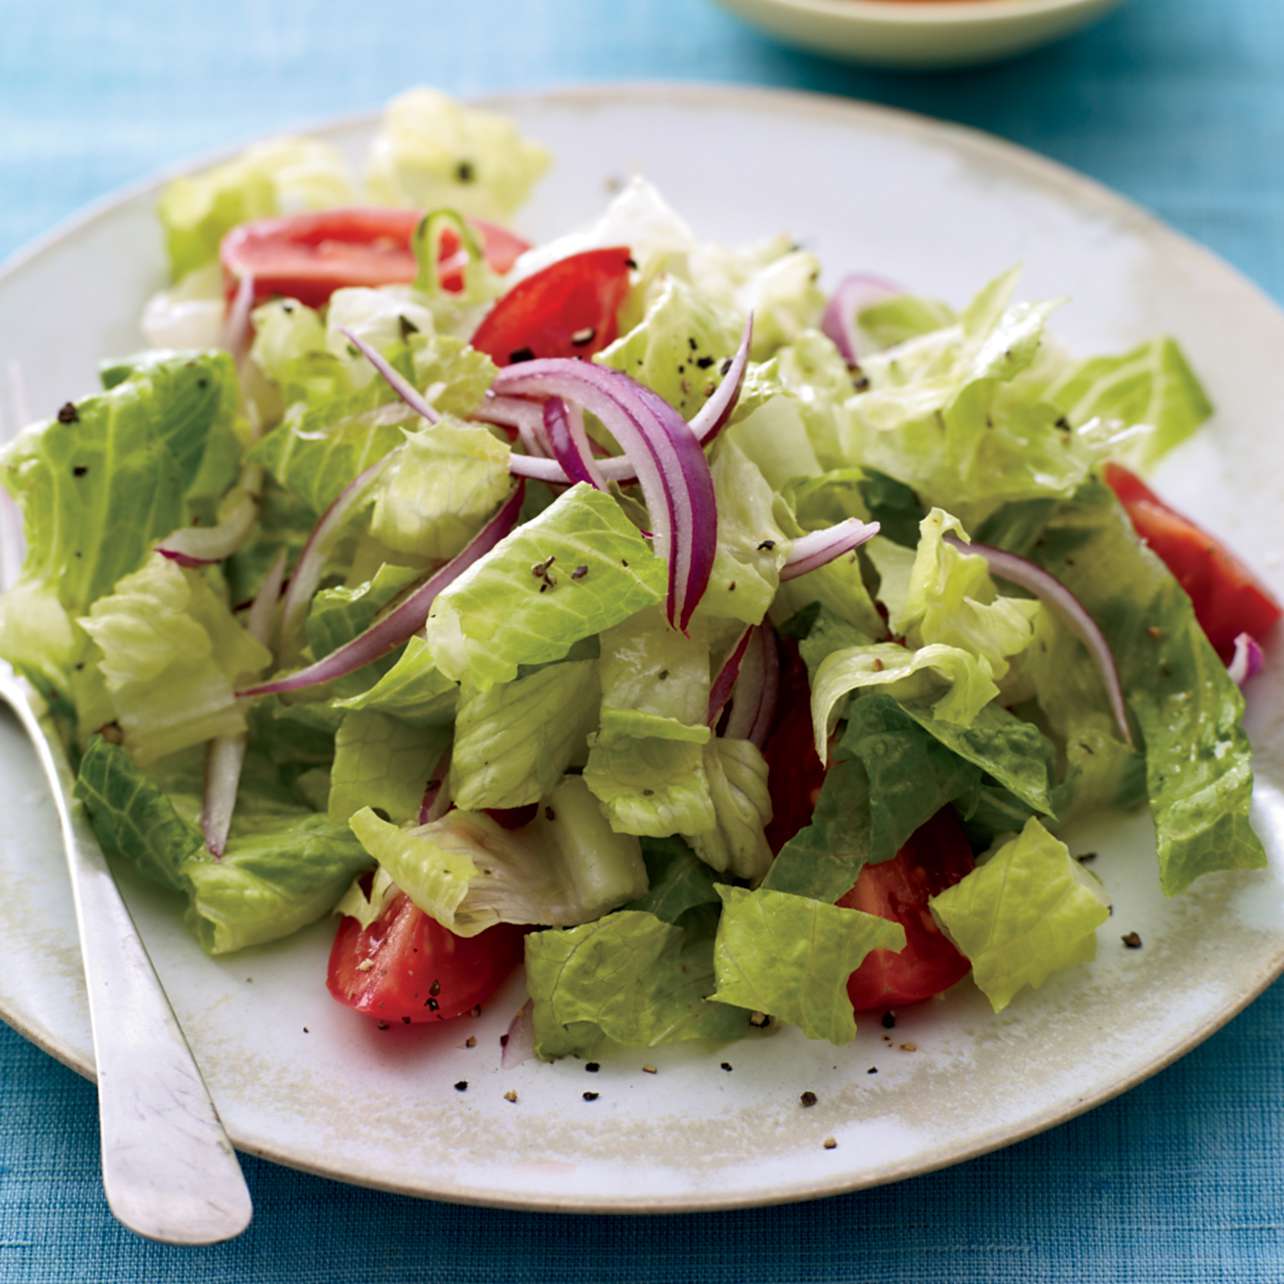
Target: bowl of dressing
{"type": "Point", "coordinates": [919, 33]}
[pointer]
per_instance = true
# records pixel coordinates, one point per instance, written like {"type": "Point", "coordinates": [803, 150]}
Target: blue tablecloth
{"type": "Point", "coordinates": [1180, 104]}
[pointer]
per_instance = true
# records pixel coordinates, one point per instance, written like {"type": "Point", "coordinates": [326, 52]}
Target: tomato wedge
{"type": "Point", "coordinates": [309, 256]}
{"type": "Point", "coordinates": [936, 856]}
{"type": "Point", "coordinates": [569, 309]}
{"type": "Point", "coordinates": [1228, 598]}
{"type": "Point", "coordinates": [405, 967]}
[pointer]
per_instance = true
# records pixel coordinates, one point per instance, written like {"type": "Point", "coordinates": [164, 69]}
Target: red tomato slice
{"type": "Point", "coordinates": [795, 775]}
{"type": "Point", "coordinates": [309, 256]}
{"type": "Point", "coordinates": [567, 310]}
{"type": "Point", "coordinates": [1228, 598]}
{"type": "Point", "coordinates": [936, 857]}
{"type": "Point", "coordinates": [419, 971]}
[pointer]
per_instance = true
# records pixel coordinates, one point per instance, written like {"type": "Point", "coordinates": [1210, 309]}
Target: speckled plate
{"type": "Point", "coordinates": [303, 1082]}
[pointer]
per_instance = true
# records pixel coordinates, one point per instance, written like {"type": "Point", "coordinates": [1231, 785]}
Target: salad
{"type": "Point", "coordinates": [621, 607]}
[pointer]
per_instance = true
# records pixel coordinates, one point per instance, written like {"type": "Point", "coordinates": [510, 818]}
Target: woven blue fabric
{"type": "Point", "coordinates": [1180, 104]}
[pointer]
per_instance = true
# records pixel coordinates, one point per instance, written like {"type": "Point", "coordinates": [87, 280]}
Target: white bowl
{"type": "Point", "coordinates": [901, 33]}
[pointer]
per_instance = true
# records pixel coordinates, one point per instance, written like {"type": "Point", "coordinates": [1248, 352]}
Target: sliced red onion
{"type": "Point", "coordinates": [753, 700]}
{"type": "Point", "coordinates": [724, 683]}
{"type": "Point", "coordinates": [818, 547]}
{"type": "Point", "coordinates": [311, 563]}
{"type": "Point", "coordinates": [404, 619]}
{"type": "Point", "coordinates": [1053, 594]}
{"type": "Point", "coordinates": [669, 462]}
{"type": "Point", "coordinates": [854, 293]}
{"type": "Point", "coordinates": [226, 755]}
{"type": "Point", "coordinates": [515, 412]}
{"type": "Point", "coordinates": [204, 545]}
{"type": "Point", "coordinates": [713, 416]}
{"type": "Point", "coordinates": [564, 427]}
{"type": "Point", "coordinates": [436, 799]}
{"type": "Point", "coordinates": [1248, 660]}
{"type": "Point", "coordinates": [394, 379]}
{"type": "Point", "coordinates": [236, 328]}
{"type": "Point", "coordinates": [518, 1041]}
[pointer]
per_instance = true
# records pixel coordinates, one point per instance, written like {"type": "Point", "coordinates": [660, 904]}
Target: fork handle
{"type": "Point", "coordinates": [169, 1170]}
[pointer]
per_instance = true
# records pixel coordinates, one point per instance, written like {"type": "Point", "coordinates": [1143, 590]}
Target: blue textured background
{"type": "Point", "coordinates": [1178, 103]}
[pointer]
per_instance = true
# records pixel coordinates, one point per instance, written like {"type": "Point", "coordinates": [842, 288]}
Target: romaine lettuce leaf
{"type": "Point", "coordinates": [1028, 910]}
{"type": "Point", "coordinates": [514, 740]}
{"type": "Point", "coordinates": [171, 654]}
{"type": "Point", "coordinates": [679, 880]}
{"type": "Point", "coordinates": [445, 481]}
{"type": "Point", "coordinates": [773, 436]}
{"type": "Point", "coordinates": [737, 776]}
{"type": "Point", "coordinates": [432, 151]}
{"type": "Point", "coordinates": [630, 978]}
{"type": "Point", "coordinates": [790, 956]}
{"type": "Point", "coordinates": [651, 786]}
{"type": "Point", "coordinates": [469, 873]}
{"type": "Point", "coordinates": [498, 615]}
{"type": "Point", "coordinates": [902, 317]}
{"type": "Point", "coordinates": [413, 689]}
{"type": "Point", "coordinates": [384, 764]}
{"type": "Point", "coordinates": [104, 480]}
{"type": "Point", "coordinates": [281, 176]}
{"type": "Point", "coordinates": [1199, 773]}
{"type": "Point", "coordinates": [655, 681]}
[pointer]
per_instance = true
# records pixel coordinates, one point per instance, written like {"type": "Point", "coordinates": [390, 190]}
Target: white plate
{"type": "Point", "coordinates": [303, 1082]}
{"type": "Point", "coordinates": [952, 33]}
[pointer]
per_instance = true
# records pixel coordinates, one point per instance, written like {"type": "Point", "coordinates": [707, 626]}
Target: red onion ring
{"type": "Point", "coordinates": [1248, 661]}
{"type": "Point", "coordinates": [515, 412]}
{"type": "Point", "coordinates": [205, 545]}
{"type": "Point", "coordinates": [402, 620]}
{"type": "Point", "coordinates": [753, 701]}
{"type": "Point", "coordinates": [564, 428]}
{"type": "Point", "coordinates": [724, 683]}
{"type": "Point", "coordinates": [669, 462]}
{"type": "Point", "coordinates": [1053, 594]}
{"type": "Point", "coordinates": [816, 548]}
{"type": "Point", "coordinates": [854, 293]}
{"type": "Point", "coordinates": [394, 379]}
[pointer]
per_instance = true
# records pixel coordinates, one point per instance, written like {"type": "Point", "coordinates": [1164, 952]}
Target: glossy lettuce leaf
{"type": "Point", "coordinates": [382, 763]}
{"type": "Point", "coordinates": [339, 614]}
{"type": "Point", "coordinates": [655, 681]}
{"type": "Point", "coordinates": [413, 689]}
{"type": "Point", "coordinates": [469, 873]}
{"type": "Point", "coordinates": [431, 151]}
{"type": "Point", "coordinates": [902, 317]}
{"type": "Point", "coordinates": [443, 484]}
{"type": "Point", "coordinates": [954, 682]}
{"type": "Point", "coordinates": [773, 435]}
{"type": "Point", "coordinates": [737, 776]}
{"type": "Point", "coordinates": [894, 506]}
{"type": "Point", "coordinates": [498, 615]}
{"type": "Point", "coordinates": [629, 977]}
{"type": "Point", "coordinates": [280, 176]}
{"type": "Point", "coordinates": [284, 866]}
{"type": "Point", "coordinates": [790, 956]}
{"type": "Point", "coordinates": [649, 786]}
{"type": "Point", "coordinates": [1027, 911]}
{"type": "Point", "coordinates": [679, 880]}
{"type": "Point", "coordinates": [171, 654]}
{"type": "Point", "coordinates": [108, 477]}
{"type": "Point", "coordinates": [514, 740]}
{"type": "Point", "coordinates": [1199, 773]}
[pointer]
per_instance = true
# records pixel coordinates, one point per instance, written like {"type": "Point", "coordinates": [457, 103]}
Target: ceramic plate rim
{"type": "Point", "coordinates": [1020, 160]}
{"type": "Point", "coordinates": [887, 13]}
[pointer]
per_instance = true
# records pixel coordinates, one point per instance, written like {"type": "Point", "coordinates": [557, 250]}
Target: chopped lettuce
{"type": "Point", "coordinates": [498, 615]}
{"type": "Point", "coordinates": [902, 317]}
{"type": "Point", "coordinates": [679, 880]}
{"type": "Point", "coordinates": [171, 655]}
{"type": "Point", "coordinates": [469, 873]}
{"type": "Point", "coordinates": [790, 957]}
{"type": "Point", "coordinates": [514, 740]}
{"type": "Point", "coordinates": [382, 763]}
{"type": "Point", "coordinates": [443, 484]}
{"type": "Point", "coordinates": [629, 977]}
{"type": "Point", "coordinates": [651, 786]}
{"type": "Point", "coordinates": [282, 176]}
{"type": "Point", "coordinates": [1028, 910]}
{"type": "Point", "coordinates": [1199, 773]}
{"type": "Point", "coordinates": [432, 151]}
{"type": "Point", "coordinates": [737, 776]}
{"type": "Point", "coordinates": [104, 480]}
{"type": "Point", "coordinates": [413, 689]}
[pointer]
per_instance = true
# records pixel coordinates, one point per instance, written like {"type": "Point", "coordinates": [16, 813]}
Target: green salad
{"type": "Point", "coordinates": [626, 607]}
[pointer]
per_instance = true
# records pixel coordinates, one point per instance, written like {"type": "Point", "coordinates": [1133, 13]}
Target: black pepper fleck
{"type": "Point", "coordinates": [808, 1099]}
{"type": "Point", "coordinates": [872, 1070]}
{"type": "Point", "coordinates": [462, 1086]}
{"type": "Point", "coordinates": [766, 546]}
{"type": "Point", "coordinates": [704, 362]}
{"type": "Point", "coordinates": [889, 1020]}
{"type": "Point", "coordinates": [726, 1065]}
{"type": "Point", "coordinates": [68, 414]}
{"type": "Point", "coordinates": [579, 572]}
{"type": "Point", "coordinates": [631, 262]}
{"type": "Point", "coordinates": [589, 1096]}
{"type": "Point", "coordinates": [1131, 940]}
{"type": "Point", "coordinates": [549, 814]}
{"type": "Point", "coordinates": [725, 366]}
{"type": "Point", "coordinates": [79, 470]}
{"type": "Point", "coordinates": [432, 1005]}
{"type": "Point", "coordinates": [465, 171]}
{"type": "Point", "coordinates": [518, 355]}
{"type": "Point", "coordinates": [592, 1066]}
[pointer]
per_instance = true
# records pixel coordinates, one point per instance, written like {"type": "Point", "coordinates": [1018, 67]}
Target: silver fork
{"type": "Point", "coordinates": [169, 1171]}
